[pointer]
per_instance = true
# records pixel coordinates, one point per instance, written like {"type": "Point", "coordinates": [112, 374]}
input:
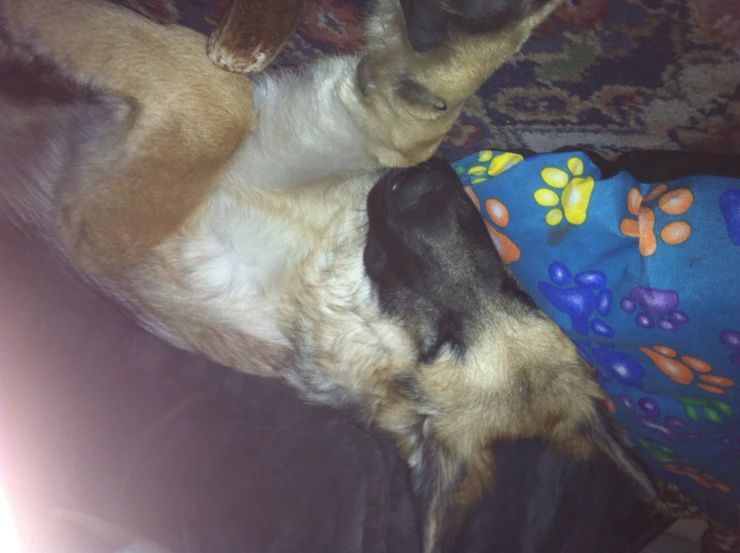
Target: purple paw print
{"type": "Point", "coordinates": [730, 448]}
{"type": "Point", "coordinates": [657, 307]}
{"type": "Point", "coordinates": [729, 205]}
{"type": "Point", "coordinates": [731, 339]}
{"type": "Point", "coordinates": [580, 297]}
{"type": "Point", "coordinates": [670, 428]}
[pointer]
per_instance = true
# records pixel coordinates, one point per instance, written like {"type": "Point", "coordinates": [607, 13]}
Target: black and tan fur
{"type": "Point", "coordinates": [260, 225]}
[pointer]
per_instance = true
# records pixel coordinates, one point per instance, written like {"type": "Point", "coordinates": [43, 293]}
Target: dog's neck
{"type": "Point", "coordinates": [333, 314]}
{"type": "Point", "coordinates": [265, 266]}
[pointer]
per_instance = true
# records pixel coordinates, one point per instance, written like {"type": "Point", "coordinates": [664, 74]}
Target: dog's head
{"type": "Point", "coordinates": [489, 365]}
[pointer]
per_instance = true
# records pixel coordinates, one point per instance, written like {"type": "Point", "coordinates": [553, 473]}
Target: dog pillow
{"type": "Point", "coordinates": [645, 279]}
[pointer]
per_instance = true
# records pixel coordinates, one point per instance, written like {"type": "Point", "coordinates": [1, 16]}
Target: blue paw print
{"type": "Point", "coordinates": [587, 295]}
{"type": "Point", "coordinates": [729, 205]}
{"type": "Point", "coordinates": [623, 368]}
{"type": "Point", "coordinates": [611, 364]}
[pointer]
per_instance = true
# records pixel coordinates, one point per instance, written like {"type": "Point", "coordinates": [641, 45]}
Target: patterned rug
{"type": "Point", "coordinates": [604, 75]}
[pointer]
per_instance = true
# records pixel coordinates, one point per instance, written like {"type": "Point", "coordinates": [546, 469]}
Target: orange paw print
{"type": "Point", "coordinates": [609, 403]}
{"type": "Point", "coordinates": [702, 478]}
{"type": "Point", "coordinates": [675, 202]}
{"type": "Point", "coordinates": [684, 371]}
{"type": "Point", "coordinates": [498, 213]}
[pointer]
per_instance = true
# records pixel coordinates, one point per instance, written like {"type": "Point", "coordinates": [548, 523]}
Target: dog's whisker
{"type": "Point", "coordinates": [360, 230]}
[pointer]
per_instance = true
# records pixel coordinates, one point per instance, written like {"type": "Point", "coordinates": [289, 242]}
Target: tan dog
{"type": "Point", "coordinates": [260, 226]}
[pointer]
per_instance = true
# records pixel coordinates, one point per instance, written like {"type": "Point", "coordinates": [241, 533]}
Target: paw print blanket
{"type": "Point", "coordinates": [644, 277]}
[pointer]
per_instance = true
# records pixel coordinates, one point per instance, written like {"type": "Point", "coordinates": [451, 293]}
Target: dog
{"type": "Point", "coordinates": [297, 227]}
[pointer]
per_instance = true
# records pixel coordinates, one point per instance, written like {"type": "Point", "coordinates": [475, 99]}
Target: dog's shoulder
{"type": "Point", "coordinates": [184, 121]}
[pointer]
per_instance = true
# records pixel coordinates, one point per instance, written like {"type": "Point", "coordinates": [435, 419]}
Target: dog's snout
{"type": "Point", "coordinates": [410, 188]}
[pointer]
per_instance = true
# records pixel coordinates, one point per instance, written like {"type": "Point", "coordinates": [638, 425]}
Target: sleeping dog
{"type": "Point", "coordinates": [296, 228]}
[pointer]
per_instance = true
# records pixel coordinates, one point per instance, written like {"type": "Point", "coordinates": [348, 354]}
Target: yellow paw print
{"type": "Point", "coordinates": [575, 196]}
{"type": "Point", "coordinates": [491, 165]}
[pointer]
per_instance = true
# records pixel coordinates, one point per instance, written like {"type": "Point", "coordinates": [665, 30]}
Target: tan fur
{"type": "Point", "coordinates": [235, 225]}
{"type": "Point", "coordinates": [409, 133]}
{"type": "Point", "coordinates": [168, 162]}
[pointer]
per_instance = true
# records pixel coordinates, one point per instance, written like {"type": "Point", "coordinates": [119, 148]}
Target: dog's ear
{"type": "Point", "coordinates": [446, 482]}
{"type": "Point", "coordinates": [599, 433]}
{"type": "Point", "coordinates": [613, 441]}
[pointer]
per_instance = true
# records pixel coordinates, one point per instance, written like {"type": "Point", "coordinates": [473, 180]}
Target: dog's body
{"type": "Point", "coordinates": [237, 222]}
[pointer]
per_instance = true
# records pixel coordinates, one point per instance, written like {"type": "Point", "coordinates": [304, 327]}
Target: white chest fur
{"type": "Point", "coordinates": [234, 270]}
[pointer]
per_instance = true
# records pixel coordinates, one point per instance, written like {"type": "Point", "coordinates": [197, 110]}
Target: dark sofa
{"type": "Point", "coordinates": [99, 417]}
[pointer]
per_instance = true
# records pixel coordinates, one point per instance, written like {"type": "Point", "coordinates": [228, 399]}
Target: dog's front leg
{"type": "Point", "coordinates": [388, 107]}
{"type": "Point", "coordinates": [410, 100]}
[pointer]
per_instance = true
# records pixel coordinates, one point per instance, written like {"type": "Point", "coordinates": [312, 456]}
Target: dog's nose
{"type": "Point", "coordinates": [410, 188]}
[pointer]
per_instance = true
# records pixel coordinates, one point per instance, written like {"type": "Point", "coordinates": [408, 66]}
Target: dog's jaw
{"type": "Point", "coordinates": [348, 350]}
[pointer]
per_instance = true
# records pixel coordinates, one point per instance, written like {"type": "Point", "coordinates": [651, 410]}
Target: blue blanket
{"type": "Point", "coordinates": [645, 279]}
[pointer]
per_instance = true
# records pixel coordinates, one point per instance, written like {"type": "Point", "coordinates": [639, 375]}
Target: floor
{"type": "Point", "coordinates": [682, 537]}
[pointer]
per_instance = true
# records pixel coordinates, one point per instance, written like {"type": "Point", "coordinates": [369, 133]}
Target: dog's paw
{"type": "Point", "coordinates": [428, 21]}
{"type": "Point", "coordinates": [413, 98]}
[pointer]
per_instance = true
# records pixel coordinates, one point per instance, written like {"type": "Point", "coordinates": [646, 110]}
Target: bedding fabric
{"type": "Point", "coordinates": [99, 417]}
{"type": "Point", "coordinates": [643, 277]}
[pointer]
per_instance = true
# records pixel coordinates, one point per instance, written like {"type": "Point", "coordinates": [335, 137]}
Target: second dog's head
{"type": "Point", "coordinates": [489, 365]}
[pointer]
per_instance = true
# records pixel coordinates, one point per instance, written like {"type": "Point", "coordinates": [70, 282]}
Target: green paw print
{"type": "Point", "coordinates": [575, 196]}
{"type": "Point", "coordinates": [657, 451]}
{"type": "Point", "coordinates": [662, 453]}
{"type": "Point", "coordinates": [712, 409]}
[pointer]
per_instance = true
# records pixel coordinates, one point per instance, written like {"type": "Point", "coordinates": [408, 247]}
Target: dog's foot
{"type": "Point", "coordinates": [413, 98]}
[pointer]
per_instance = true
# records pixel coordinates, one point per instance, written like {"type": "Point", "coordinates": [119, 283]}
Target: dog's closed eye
{"type": "Point", "coordinates": [449, 332]}
{"type": "Point", "coordinates": [375, 259]}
